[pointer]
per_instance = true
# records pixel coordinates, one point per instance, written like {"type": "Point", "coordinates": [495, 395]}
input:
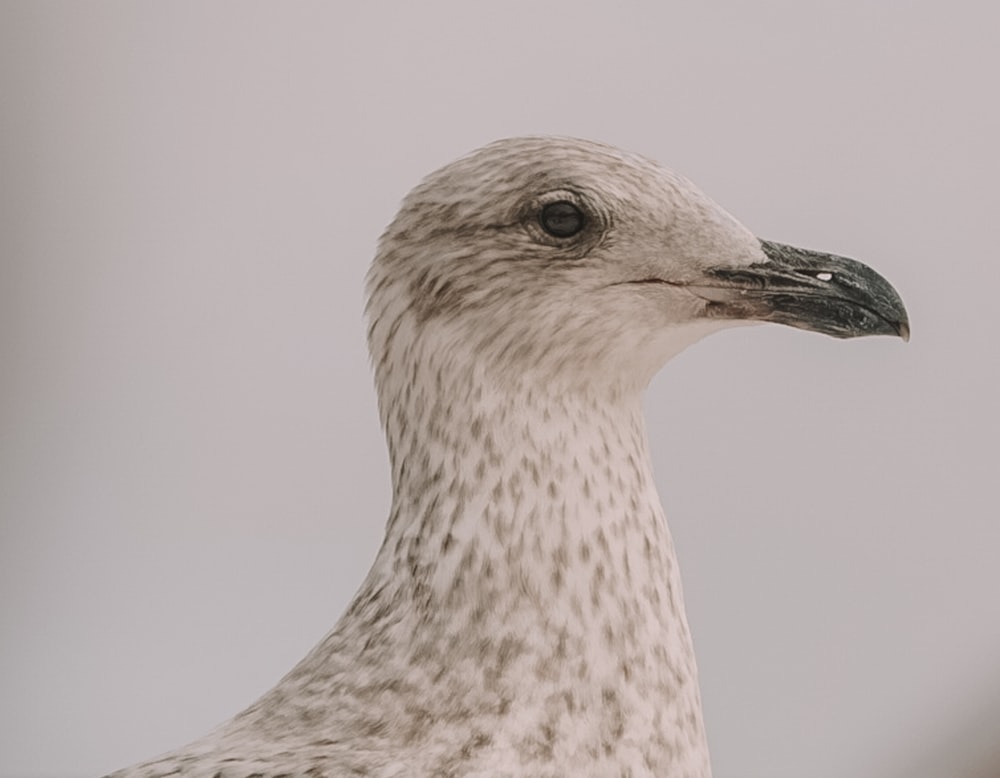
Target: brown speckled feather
{"type": "Point", "coordinates": [524, 615]}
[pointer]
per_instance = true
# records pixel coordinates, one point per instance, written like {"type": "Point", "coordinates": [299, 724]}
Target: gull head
{"type": "Point", "coordinates": [576, 265]}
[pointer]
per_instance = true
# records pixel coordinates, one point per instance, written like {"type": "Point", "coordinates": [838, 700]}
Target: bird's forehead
{"type": "Point", "coordinates": [517, 168]}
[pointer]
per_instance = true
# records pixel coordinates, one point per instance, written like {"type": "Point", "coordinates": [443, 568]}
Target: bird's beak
{"type": "Point", "coordinates": [806, 289]}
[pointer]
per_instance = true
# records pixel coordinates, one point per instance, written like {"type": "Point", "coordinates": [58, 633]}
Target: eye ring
{"type": "Point", "coordinates": [562, 219]}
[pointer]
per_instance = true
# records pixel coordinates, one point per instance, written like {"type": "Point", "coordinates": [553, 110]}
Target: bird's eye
{"type": "Point", "coordinates": [561, 219]}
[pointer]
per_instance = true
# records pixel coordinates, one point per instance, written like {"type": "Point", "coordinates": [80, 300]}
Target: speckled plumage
{"type": "Point", "coordinates": [524, 615]}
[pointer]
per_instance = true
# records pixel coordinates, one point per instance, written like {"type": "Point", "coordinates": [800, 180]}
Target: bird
{"type": "Point", "coordinates": [524, 614]}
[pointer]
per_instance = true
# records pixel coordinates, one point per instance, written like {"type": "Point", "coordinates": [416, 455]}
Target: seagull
{"type": "Point", "coordinates": [524, 614]}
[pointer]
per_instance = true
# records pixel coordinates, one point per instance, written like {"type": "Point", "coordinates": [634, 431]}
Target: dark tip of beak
{"type": "Point", "coordinates": [903, 327]}
{"type": "Point", "coordinates": [812, 290]}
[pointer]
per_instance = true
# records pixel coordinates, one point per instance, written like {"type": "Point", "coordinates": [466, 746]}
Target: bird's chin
{"type": "Point", "coordinates": [672, 340]}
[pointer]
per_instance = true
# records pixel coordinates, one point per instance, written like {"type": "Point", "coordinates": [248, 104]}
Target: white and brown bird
{"type": "Point", "coordinates": [524, 615]}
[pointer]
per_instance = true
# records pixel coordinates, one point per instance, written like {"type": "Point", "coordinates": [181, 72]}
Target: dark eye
{"type": "Point", "coordinates": [561, 219]}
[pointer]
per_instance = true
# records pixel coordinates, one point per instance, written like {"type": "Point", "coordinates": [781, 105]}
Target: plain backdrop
{"type": "Point", "coordinates": [192, 477]}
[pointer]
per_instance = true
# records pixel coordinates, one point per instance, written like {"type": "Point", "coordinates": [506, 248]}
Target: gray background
{"type": "Point", "coordinates": [192, 477]}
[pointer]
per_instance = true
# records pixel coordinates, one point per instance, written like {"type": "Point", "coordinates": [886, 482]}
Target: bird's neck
{"type": "Point", "coordinates": [526, 536]}
{"type": "Point", "coordinates": [528, 485]}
